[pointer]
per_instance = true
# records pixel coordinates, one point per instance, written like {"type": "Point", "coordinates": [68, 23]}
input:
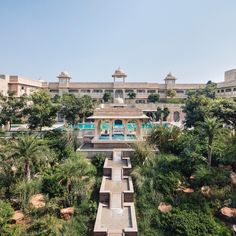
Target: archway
{"type": "Point", "coordinates": [176, 116]}
{"type": "Point", "coordinates": [119, 93]}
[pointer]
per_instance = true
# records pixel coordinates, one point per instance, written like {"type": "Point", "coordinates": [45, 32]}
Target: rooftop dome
{"type": "Point", "coordinates": [119, 73]}
{"type": "Point", "coordinates": [64, 74]}
{"type": "Point", "coordinates": [170, 76]}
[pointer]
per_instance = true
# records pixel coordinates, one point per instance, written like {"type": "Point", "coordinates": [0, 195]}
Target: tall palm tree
{"type": "Point", "coordinates": [77, 174]}
{"type": "Point", "coordinates": [28, 151]}
{"type": "Point", "coordinates": [211, 126]}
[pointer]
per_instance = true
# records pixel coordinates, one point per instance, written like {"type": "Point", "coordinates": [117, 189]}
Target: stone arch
{"type": "Point", "coordinates": [119, 93]}
{"type": "Point", "coordinates": [176, 116]}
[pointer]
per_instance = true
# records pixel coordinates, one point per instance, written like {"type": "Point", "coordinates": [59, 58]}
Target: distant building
{"type": "Point", "coordinates": [19, 85]}
{"type": "Point", "coordinates": [119, 87]}
{"type": "Point", "coordinates": [227, 88]}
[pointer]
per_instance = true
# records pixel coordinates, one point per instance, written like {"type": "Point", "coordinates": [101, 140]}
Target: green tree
{"type": "Point", "coordinates": [163, 137]}
{"type": "Point", "coordinates": [210, 127]}
{"type": "Point", "coordinates": [70, 108]}
{"type": "Point", "coordinates": [196, 108]}
{"type": "Point", "coordinates": [131, 95]}
{"type": "Point", "coordinates": [210, 89]}
{"type": "Point", "coordinates": [171, 93]}
{"type": "Point", "coordinates": [161, 114]}
{"type": "Point", "coordinates": [107, 97]}
{"type": "Point", "coordinates": [42, 112]}
{"type": "Point", "coordinates": [224, 109]}
{"type": "Point", "coordinates": [86, 106]}
{"type": "Point", "coordinates": [11, 109]}
{"type": "Point", "coordinates": [153, 97]}
{"type": "Point", "coordinates": [5, 213]}
{"type": "Point", "coordinates": [28, 152]}
{"type": "Point", "coordinates": [76, 174]}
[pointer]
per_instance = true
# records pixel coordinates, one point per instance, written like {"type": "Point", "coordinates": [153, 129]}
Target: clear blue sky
{"type": "Point", "coordinates": [195, 40]}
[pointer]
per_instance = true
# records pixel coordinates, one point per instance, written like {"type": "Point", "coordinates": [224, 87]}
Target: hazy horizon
{"type": "Point", "coordinates": [195, 41]}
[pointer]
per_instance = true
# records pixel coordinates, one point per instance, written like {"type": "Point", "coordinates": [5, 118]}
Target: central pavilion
{"type": "Point", "coordinates": [117, 124]}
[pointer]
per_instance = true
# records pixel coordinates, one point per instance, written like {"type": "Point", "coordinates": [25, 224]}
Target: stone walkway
{"type": "Point", "coordinates": [116, 212]}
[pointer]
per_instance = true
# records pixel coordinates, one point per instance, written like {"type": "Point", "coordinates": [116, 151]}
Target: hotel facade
{"type": "Point", "coordinates": [119, 87]}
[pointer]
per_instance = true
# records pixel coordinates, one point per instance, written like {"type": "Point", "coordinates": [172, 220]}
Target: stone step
{"type": "Point", "coordinates": [116, 174]}
{"type": "Point", "coordinates": [115, 202]}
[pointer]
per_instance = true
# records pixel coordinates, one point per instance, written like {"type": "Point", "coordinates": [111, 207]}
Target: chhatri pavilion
{"type": "Point", "coordinates": [117, 124]}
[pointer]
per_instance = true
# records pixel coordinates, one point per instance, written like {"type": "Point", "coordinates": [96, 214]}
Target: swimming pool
{"type": "Point", "coordinates": [118, 137]}
{"type": "Point", "coordinates": [131, 126]}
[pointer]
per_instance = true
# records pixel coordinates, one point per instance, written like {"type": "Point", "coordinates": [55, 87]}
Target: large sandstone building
{"type": "Point", "coordinates": [119, 87]}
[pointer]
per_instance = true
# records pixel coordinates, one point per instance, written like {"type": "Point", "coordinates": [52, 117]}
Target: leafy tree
{"type": "Point", "coordinates": [70, 108]}
{"type": "Point", "coordinates": [196, 108]}
{"type": "Point", "coordinates": [86, 106]}
{"type": "Point", "coordinates": [107, 97]}
{"type": "Point", "coordinates": [5, 213]}
{"type": "Point", "coordinates": [11, 109]}
{"type": "Point", "coordinates": [224, 109]}
{"type": "Point", "coordinates": [161, 114]}
{"type": "Point", "coordinates": [210, 127]}
{"type": "Point", "coordinates": [153, 97]}
{"type": "Point", "coordinates": [42, 112]}
{"type": "Point", "coordinates": [190, 223]}
{"type": "Point", "coordinates": [28, 151]}
{"type": "Point", "coordinates": [163, 137]}
{"type": "Point", "coordinates": [210, 89]}
{"type": "Point", "coordinates": [56, 98]}
{"type": "Point", "coordinates": [131, 95]}
{"type": "Point", "coordinates": [171, 93]}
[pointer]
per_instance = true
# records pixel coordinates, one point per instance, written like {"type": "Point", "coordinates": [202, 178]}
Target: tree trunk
{"type": "Point", "coordinates": [210, 141]}
{"type": "Point", "coordinates": [28, 171]}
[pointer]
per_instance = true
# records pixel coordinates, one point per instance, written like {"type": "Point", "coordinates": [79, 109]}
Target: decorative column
{"type": "Point", "coordinates": [125, 128]}
{"type": "Point", "coordinates": [139, 132]}
{"type": "Point", "coordinates": [96, 129]}
{"type": "Point", "coordinates": [110, 129]}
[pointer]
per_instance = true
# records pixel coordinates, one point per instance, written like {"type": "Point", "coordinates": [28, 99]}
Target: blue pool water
{"type": "Point", "coordinates": [117, 137]}
{"type": "Point", "coordinates": [130, 126]}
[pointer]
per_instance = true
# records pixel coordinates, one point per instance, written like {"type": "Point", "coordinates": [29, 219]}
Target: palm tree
{"type": "Point", "coordinates": [28, 151]}
{"type": "Point", "coordinates": [211, 126]}
{"type": "Point", "coordinates": [76, 173]}
{"type": "Point", "coordinates": [161, 136]}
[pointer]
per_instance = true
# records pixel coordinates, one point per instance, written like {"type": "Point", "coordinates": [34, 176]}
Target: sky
{"type": "Point", "coordinates": [194, 40]}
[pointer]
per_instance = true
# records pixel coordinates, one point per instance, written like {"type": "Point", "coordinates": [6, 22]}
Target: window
{"type": "Point", "coordinates": [218, 91]}
{"type": "Point", "coordinates": [85, 90]}
{"type": "Point", "coordinates": [54, 90]}
{"type": "Point", "coordinates": [151, 91]}
{"type": "Point", "coordinates": [161, 91]}
{"type": "Point", "coordinates": [222, 90]}
{"type": "Point", "coordinates": [141, 91]}
{"type": "Point", "coordinates": [140, 101]}
{"type": "Point", "coordinates": [129, 90]}
{"type": "Point", "coordinates": [73, 90]}
{"type": "Point", "coordinates": [179, 91]}
{"type": "Point", "coordinates": [234, 89]}
{"type": "Point", "coordinates": [22, 87]}
{"type": "Point", "coordinates": [108, 91]}
{"type": "Point", "coordinates": [228, 90]}
{"type": "Point", "coordinates": [97, 90]}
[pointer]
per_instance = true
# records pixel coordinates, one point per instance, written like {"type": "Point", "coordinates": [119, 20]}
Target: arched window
{"type": "Point", "coordinates": [176, 116]}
